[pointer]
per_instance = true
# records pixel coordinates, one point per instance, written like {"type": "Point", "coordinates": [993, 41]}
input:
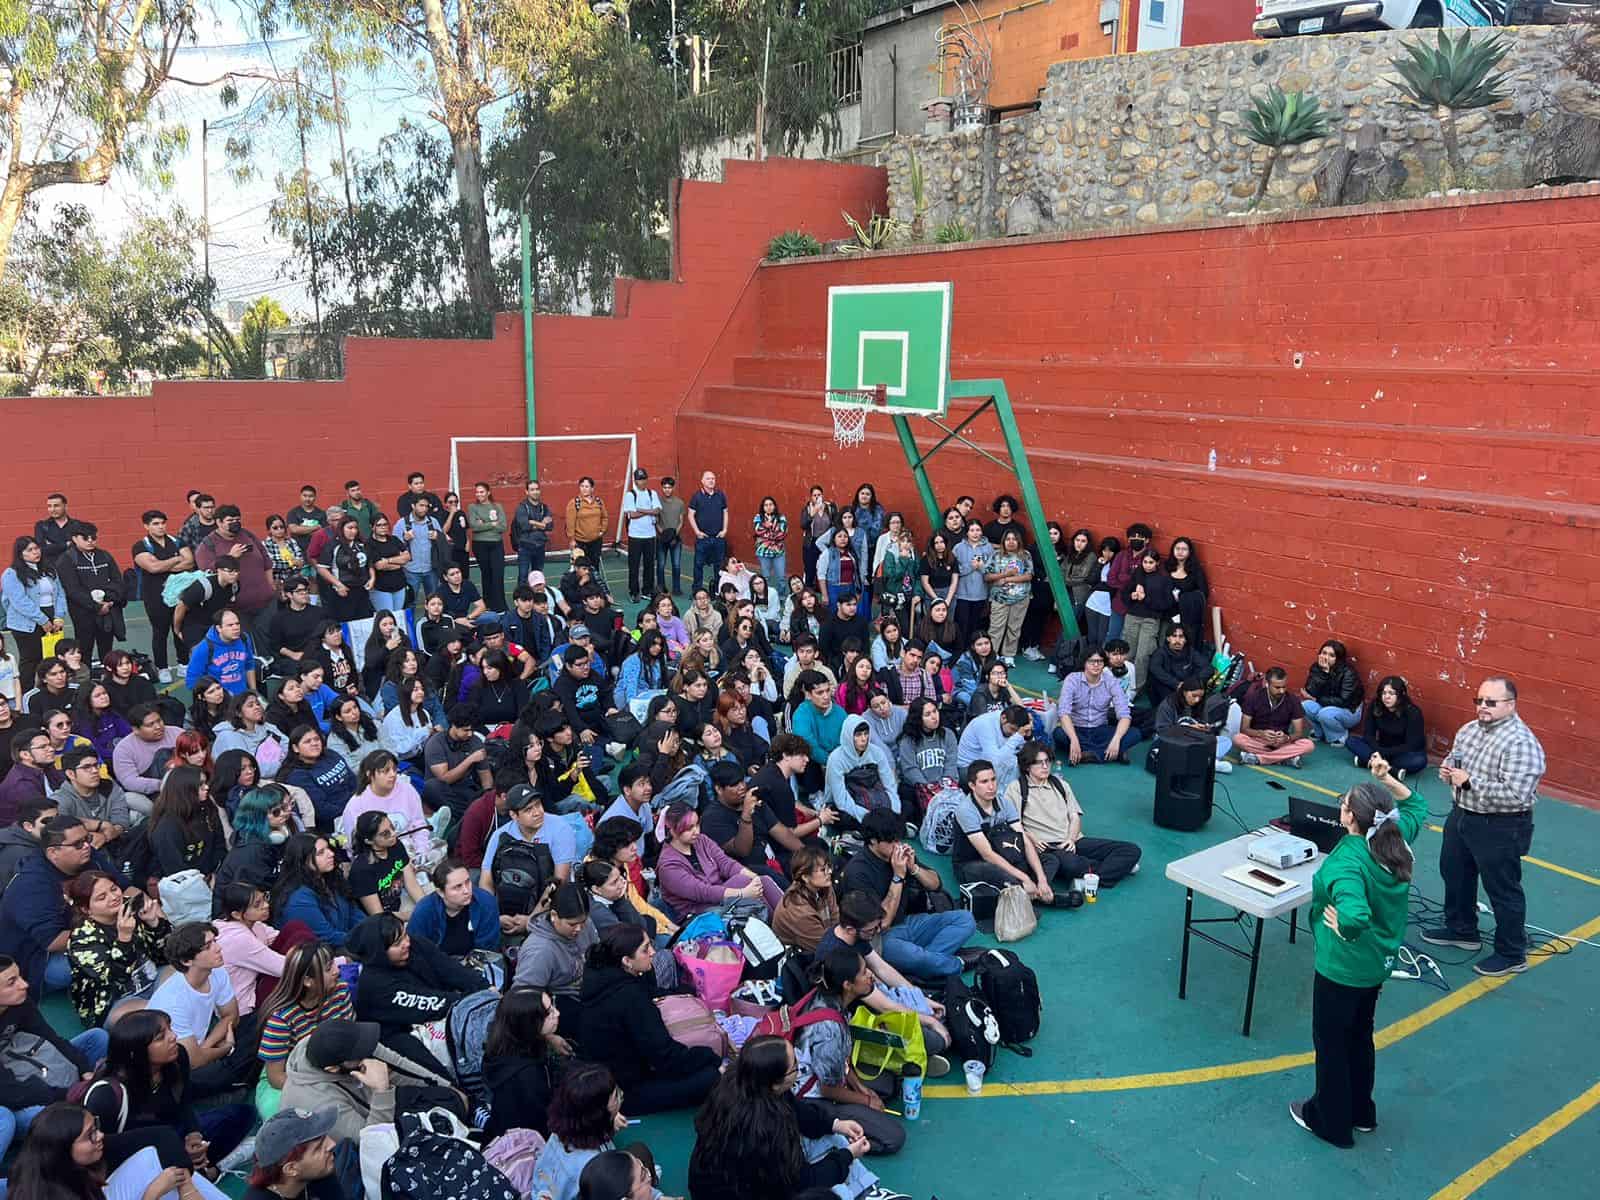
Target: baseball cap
{"type": "Point", "coordinates": [337, 1042]}
{"type": "Point", "coordinates": [536, 580]}
{"type": "Point", "coordinates": [291, 1127]}
{"type": "Point", "coordinates": [489, 623]}
{"type": "Point", "coordinates": [641, 473]}
{"type": "Point", "coordinates": [578, 630]}
{"type": "Point", "coordinates": [519, 797]}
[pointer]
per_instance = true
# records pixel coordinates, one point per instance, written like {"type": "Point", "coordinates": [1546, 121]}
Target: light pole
{"type": "Point", "coordinates": [526, 223]}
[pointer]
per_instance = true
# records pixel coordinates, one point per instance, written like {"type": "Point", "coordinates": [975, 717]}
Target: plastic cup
{"type": "Point", "coordinates": [974, 1071]}
{"type": "Point", "coordinates": [1091, 887]}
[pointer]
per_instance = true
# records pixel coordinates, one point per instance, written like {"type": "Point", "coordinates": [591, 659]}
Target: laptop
{"type": "Point", "coordinates": [1315, 822]}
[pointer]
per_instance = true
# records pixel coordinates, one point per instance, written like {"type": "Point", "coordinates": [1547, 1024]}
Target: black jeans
{"type": "Point", "coordinates": [160, 631]}
{"type": "Point", "coordinates": [981, 871]}
{"type": "Point", "coordinates": [1106, 857]}
{"type": "Point", "coordinates": [238, 1069]}
{"type": "Point", "coordinates": [1487, 847]}
{"type": "Point", "coordinates": [30, 653]}
{"type": "Point", "coordinates": [663, 1094]}
{"type": "Point", "coordinates": [641, 565]}
{"type": "Point", "coordinates": [93, 638]}
{"type": "Point", "coordinates": [491, 558]}
{"type": "Point", "coordinates": [1341, 1031]}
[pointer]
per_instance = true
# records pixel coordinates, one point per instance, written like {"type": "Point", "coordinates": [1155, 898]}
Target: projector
{"type": "Point", "coordinates": [1282, 850]}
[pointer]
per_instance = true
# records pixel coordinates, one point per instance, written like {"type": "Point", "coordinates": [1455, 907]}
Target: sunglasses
{"type": "Point", "coordinates": [1486, 702]}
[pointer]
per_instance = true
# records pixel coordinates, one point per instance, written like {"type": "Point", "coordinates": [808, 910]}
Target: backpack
{"type": "Point", "coordinates": [1069, 654]}
{"type": "Point", "coordinates": [78, 1093]}
{"type": "Point", "coordinates": [974, 1032]}
{"type": "Point", "coordinates": [866, 788]}
{"type": "Point", "coordinates": [689, 1022]}
{"type": "Point", "coordinates": [939, 821]}
{"type": "Point", "coordinates": [1011, 990]}
{"type": "Point", "coordinates": [26, 1056]}
{"type": "Point", "coordinates": [466, 1031]}
{"type": "Point", "coordinates": [515, 1154]}
{"type": "Point", "coordinates": [176, 583]}
{"type": "Point", "coordinates": [523, 871]}
{"type": "Point", "coordinates": [790, 1019]}
{"type": "Point", "coordinates": [430, 1164]}
{"type": "Point", "coordinates": [763, 952]}
{"type": "Point", "coordinates": [692, 785]}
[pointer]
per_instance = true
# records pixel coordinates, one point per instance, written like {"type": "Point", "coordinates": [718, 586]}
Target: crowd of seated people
{"type": "Point", "coordinates": [394, 789]}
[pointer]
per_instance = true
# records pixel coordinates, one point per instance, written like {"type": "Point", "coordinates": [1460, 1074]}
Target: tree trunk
{"type": "Point", "coordinates": [1456, 169]}
{"type": "Point", "coordinates": [1266, 176]}
{"type": "Point", "coordinates": [466, 150]}
{"type": "Point", "coordinates": [12, 200]}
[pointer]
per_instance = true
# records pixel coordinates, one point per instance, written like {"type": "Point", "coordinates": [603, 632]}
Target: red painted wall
{"type": "Point", "coordinates": [1204, 22]}
{"type": "Point", "coordinates": [254, 444]}
{"type": "Point", "coordinates": [1422, 485]}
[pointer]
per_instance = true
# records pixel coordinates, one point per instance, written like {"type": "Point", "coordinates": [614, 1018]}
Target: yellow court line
{"type": "Point", "coordinates": [1471, 1180]}
{"type": "Point", "coordinates": [1383, 1039]}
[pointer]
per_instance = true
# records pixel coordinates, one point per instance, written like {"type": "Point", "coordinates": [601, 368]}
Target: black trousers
{"type": "Point", "coordinates": [971, 616]}
{"type": "Point", "coordinates": [986, 872]}
{"type": "Point", "coordinates": [1487, 847]}
{"type": "Point", "coordinates": [591, 552]}
{"type": "Point", "coordinates": [95, 641]}
{"type": "Point", "coordinates": [160, 631]}
{"type": "Point", "coordinates": [641, 565]}
{"type": "Point", "coordinates": [239, 1069]}
{"type": "Point", "coordinates": [662, 1094]}
{"type": "Point", "coordinates": [491, 558]}
{"type": "Point", "coordinates": [1341, 1032]}
{"type": "Point", "coordinates": [30, 653]}
{"type": "Point", "coordinates": [1106, 857]}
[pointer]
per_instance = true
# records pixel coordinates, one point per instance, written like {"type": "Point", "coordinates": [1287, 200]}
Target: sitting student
{"type": "Point", "coordinates": [994, 738]}
{"type": "Point", "coordinates": [32, 775]}
{"type": "Point", "coordinates": [994, 693]}
{"type": "Point", "coordinates": [185, 829]}
{"type": "Point", "coordinates": [262, 824]}
{"type": "Point", "coordinates": [922, 936]}
{"type": "Point", "coordinates": [1089, 701]}
{"type": "Point", "coordinates": [1174, 662]}
{"type": "Point", "coordinates": [558, 944]}
{"type": "Point", "coordinates": [100, 804]}
{"type": "Point", "coordinates": [778, 785]}
{"type": "Point", "coordinates": [619, 1026]}
{"type": "Point", "coordinates": [312, 889]}
{"type": "Point", "coordinates": [410, 721]}
{"type": "Point", "coordinates": [823, 1048]}
{"type": "Point", "coordinates": [343, 1064]}
{"type": "Point", "coordinates": [95, 719]}
{"type": "Point", "coordinates": [125, 685]}
{"type": "Point", "coordinates": [806, 657]}
{"type": "Point", "coordinates": [457, 768]}
{"type": "Point", "coordinates": [1053, 820]}
{"type": "Point", "coordinates": [144, 1095]}
{"type": "Point", "coordinates": [247, 729]}
{"type": "Point", "coordinates": [27, 1044]}
{"type": "Point", "coordinates": [35, 918]}
{"type": "Point", "coordinates": [67, 1155]}
{"type": "Point", "coordinates": [1394, 731]}
{"type": "Point", "coordinates": [352, 733]}
{"type": "Point", "coordinates": [925, 753]}
{"type": "Point", "coordinates": [498, 696]}
{"type": "Point", "coordinates": [295, 1156]}
{"type": "Point", "coordinates": [1332, 695]}
{"type": "Point", "coordinates": [860, 776]}
{"type": "Point", "coordinates": [644, 672]}
{"type": "Point", "coordinates": [754, 1137]}
{"type": "Point", "coordinates": [381, 876]}
{"type": "Point", "coordinates": [845, 626]}
{"type": "Point", "coordinates": [386, 790]}
{"type": "Point", "coordinates": [743, 826]}
{"type": "Point", "coordinates": [320, 773]}
{"type": "Point", "coordinates": [290, 710]}
{"type": "Point", "coordinates": [523, 1059]}
{"type": "Point", "coordinates": [1187, 707]}
{"type": "Point", "coordinates": [696, 876]}
{"type": "Point", "coordinates": [972, 668]}
{"type": "Point", "coordinates": [585, 1114]}
{"type": "Point", "coordinates": [199, 998]}
{"type": "Point", "coordinates": [617, 841]}
{"type": "Point", "coordinates": [1121, 670]}
{"type": "Point", "coordinates": [609, 904]}
{"type": "Point", "coordinates": [456, 916]}
{"type": "Point", "coordinates": [21, 841]}
{"type": "Point", "coordinates": [308, 993]}
{"type": "Point", "coordinates": [991, 844]}
{"type": "Point", "coordinates": [405, 981]}
{"type": "Point", "coordinates": [568, 773]}
{"type": "Point", "coordinates": [1274, 726]}
{"type": "Point", "coordinates": [809, 908]}
{"type": "Point", "coordinates": [530, 826]}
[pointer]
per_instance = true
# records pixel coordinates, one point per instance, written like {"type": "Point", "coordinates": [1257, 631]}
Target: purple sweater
{"type": "Point", "coordinates": [694, 887]}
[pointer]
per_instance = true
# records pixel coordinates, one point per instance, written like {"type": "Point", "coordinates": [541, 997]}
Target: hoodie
{"type": "Point", "coordinates": [425, 989]}
{"type": "Point", "coordinates": [548, 960]}
{"type": "Point", "coordinates": [267, 744]}
{"type": "Point", "coordinates": [483, 919]}
{"type": "Point", "coordinates": [109, 805]}
{"type": "Point", "coordinates": [886, 729]}
{"type": "Point", "coordinates": [229, 663]}
{"type": "Point", "coordinates": [329, 782]}
{"type": "Point", "coordinates": [845, 759]}
{"type": "Point", "coordinates": [1372, 905]}
{"type": "Point", "coordinates": [16, 844]}
{"type": "Point", "coordinates": [924, 761]}
{"type": "Point", "coordinates": [308, 1087]}
{"type": "Point", "coordinates": [620, 1026]}
{"type": "Point", "coordinates": [34, 914]}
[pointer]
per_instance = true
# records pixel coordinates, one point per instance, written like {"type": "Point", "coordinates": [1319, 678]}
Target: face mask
{"type": "Point", "coordinates": [277, 836]}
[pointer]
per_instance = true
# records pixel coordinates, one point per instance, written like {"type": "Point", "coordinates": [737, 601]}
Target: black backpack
{"type": "Point", "coordinates": [1012, 990]}
{"type": "Point", "coordinates": [522, 872]}
{"type": "Point", "coordinates": [1069, 654]}
{"type": "Point", "coordinates": [866, 787]}
{"type": "Point", "coordinates": [974, 1032]}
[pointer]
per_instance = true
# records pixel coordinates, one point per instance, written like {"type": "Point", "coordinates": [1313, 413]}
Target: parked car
{"type": "Point", "coordinates": [1550, 12]}
{"type": "Point", "coordinates": [1294, 18]}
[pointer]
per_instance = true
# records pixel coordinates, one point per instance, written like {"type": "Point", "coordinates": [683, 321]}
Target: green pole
{"type": "Point", "coordinates": [908, 444]}
{"type": "Point", "coordinates": [527, 336]}
{"type": "Point", "coordinates": [981, 388]}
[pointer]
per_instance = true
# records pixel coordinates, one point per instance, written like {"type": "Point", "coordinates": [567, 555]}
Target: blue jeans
{"type": "Point", "coordinates": [669, 551]}
{"type": "Point", "coordinates": [1326, 722]}
{"type": "Point", "coordinates": [1114, 629]}
{"type": "Point", "coordinates": [57, 974]}
{"type": "Point", "coordinates": [776, 572]}
{"type": "Point", "coordinates": [91, 1043]}
{"type": "Point", "coordinates": [925, 945]}
{"type": "Point", "coordinates": [527, 560]}
{"type": "Point", "coordinates": [394, 602]}
{"type": "Point", "coordinates": [709, 552]}
{"type": "Point", "coordinates": [422, 583]}
{"type": "Point", "coordinates": [1093, 741]}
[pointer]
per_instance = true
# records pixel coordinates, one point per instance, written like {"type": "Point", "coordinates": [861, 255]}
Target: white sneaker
{"type": "Point", "coordinates": [1224, 767]}
{"type": "Point", "coordinates": [239, 1157]}
{"type": "Point", "coordinates": [1032, 654]}
{"type": "Point", "coordinates": [165, 676]}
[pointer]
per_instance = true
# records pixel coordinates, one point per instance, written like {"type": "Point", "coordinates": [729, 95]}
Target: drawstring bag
{"type": "Point", "coordinates": [886, 1042]}
{"type": "Point", "coordinates": [1014, 918]}
{"type": "Point", "coordinates": [714, 966]}
{"type": "Point", "coordinates": [185, 897]}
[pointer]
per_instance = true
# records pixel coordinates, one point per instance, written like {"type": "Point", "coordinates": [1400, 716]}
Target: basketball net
{"type": "Point", "coordinates": [850, 407]}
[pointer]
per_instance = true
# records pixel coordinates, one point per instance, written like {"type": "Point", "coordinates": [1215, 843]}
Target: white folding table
{"type": "Point", "coordinates": [1203, 872]}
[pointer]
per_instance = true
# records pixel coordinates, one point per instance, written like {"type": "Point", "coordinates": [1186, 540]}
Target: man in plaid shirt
{"type": "Point", "coordinates": [1494, 769]}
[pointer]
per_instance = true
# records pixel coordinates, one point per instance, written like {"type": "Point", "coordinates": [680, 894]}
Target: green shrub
{"type": "Point", "coordinates": [792, 243]}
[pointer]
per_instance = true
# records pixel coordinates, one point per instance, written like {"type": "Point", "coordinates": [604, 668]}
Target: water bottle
{"type": "Point", "coordinates": [911, 1091]}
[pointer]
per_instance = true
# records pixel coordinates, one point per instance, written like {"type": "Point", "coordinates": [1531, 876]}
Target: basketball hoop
{"type": "Point", "coordinates": [850, 407]}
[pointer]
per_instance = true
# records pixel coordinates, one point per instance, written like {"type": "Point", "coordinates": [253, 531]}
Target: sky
{"type": "Point", "coordinates": [246, 259]}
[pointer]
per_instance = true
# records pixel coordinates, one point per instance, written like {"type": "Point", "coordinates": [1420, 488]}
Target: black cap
{"type": "Point", "coordinates": [641, 473]}
{"type": "Point", "coordinates": [335, 1043]}
{"type": "Point", "coordinates": [519, 797]}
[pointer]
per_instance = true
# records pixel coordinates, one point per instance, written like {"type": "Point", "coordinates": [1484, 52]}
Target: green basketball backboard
{"type": "Point", "coordinates": [896, 335]}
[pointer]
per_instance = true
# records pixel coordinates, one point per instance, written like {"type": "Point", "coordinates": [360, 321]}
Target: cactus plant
{"type": "Point", "coordinates": [1281, 119]}
{"type": "Point", "coordinates": [1453, 75]}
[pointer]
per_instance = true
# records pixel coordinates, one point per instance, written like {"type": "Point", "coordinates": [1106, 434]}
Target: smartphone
{"type": "Point", "coordinates": [1273, 880]}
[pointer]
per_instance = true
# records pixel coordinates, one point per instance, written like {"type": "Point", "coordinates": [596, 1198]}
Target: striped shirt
{"type": "Point", "coordinates": [1504, 763]}
{"type": "Point", "coordinates": [284, 1027]}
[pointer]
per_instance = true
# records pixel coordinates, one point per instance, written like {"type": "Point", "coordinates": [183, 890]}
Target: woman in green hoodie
{"type": "Point", "coordinates": [1359, 901]}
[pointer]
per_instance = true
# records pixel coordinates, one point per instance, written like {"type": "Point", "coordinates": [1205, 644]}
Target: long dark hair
{"type": "Point", "coordinates": [27, 572]}
{"type": "Point", "coordinates": [746, 1133]}
{"type": "Point", "coordinates": [913, 731]}
{"type": "Point", "coordinates": [1088, 546]}
{"type": "Point", "coordinates": [1388, 846]}
{"type": "Point", "coordinates": [44, 1168]}
{"type": "Point", "coordinates": [580, 1112]}
{"type": "Point", "coordinates": [179, 800]}
{"type": "Point", "coordinates": [200, 715]}
{"type": "Point", "coordinates": [1402, 694]}
{"type": "Point", "coordinates": [517, 1030]}
{"type": "Point", "coordinates": [300, 870]}
{"type": "Point", "coordinates": [366, 829]}
{"type": "Point", "coordinates": [128, 1053]}
{"type": "Point", "coordinates": [364, 723]}
{"type": "Point", "coordinates": [304, 963]}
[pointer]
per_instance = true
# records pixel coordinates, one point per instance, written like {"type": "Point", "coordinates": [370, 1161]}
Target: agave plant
{"type": "Point", "coordinates": [1456, 74]}
{"type": "Point", "coordinates": [952, 231]}
{"type": "Point", "coordinates": [793, 243]}
{"type": "Point", "coordinates": [878, 233]}
{"type": "Point", "coordinates": [1281, 119]}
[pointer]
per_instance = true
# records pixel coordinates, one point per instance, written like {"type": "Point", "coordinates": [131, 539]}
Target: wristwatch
{"type": "Point", "coordinates": [898, 879]}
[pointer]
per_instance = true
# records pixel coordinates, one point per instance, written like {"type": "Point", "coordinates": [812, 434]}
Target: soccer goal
{"type": "Point", "coordinates": [502, 463]}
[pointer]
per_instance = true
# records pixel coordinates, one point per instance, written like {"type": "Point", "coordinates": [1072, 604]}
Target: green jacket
{"type": "Point", "coordinates": [1372, 906]}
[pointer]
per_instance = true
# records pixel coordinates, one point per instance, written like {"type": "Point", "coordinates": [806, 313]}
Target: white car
{"type": "Point", "coordinates": [1294, 18]}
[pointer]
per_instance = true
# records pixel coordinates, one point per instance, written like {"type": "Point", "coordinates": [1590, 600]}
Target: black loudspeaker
{"type": "Point", "coordinates": [1186, 774]}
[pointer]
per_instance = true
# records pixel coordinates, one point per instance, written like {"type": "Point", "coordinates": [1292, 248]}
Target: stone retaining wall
{"type": "Point", "coordinates": [1158, 137]}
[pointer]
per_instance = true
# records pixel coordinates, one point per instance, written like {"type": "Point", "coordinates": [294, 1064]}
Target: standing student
{"type": "Point", "coordinates": [1009, 575]}
{"type": "Point", "coordinates": [306, 517]}
{"type": "Point", "coordinates": [1359, 900]}
{"type": "Point", "coordinates": [817, 519]}
{"type": "Point", "coordinates": [708, 520]}
{"type": "Point", "coordinates": [92, 582]}
{"type": "Point", "coordinates": [390, 557]}
{"type": "Point", "coordinates": [669, 535]}
{"type": "Point", "coordinates": [157, 556]}
{"type": "Point", "coordinates": [420, 531]}
{"type": "Point", "coordinates": [641, 509]}
{"type": "Point", "coordinates": [347, 575]}
{"type": "Point", "coordinates": [30, 592]}
{"type": "Point", "coordinates": [230, 540]}
{"type": "Point", "coordinates": [54, 531]}
{"type": "Point", "coordinates": [417, 489]}
{"type": "Point", "coordinates": [530, 531]}
{"type": "Point", "coordinates": [1148, 603]}
{"type": "Point", "coordinates": [587, 520]}
{"type": "Point", "coordinates": [486, 517]}
{"type": "Point", "coordinates": [772, 535]}
{"type": "Point", "coordinates": [360, 507]}
{"type": "Point", "coordinates": [973, 554]}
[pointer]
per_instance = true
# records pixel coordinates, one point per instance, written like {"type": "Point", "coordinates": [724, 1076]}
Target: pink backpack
{"type": "Point", "coordinates": [514, 1154]}
{"type": "Point", "coordinates": [690, 1023]}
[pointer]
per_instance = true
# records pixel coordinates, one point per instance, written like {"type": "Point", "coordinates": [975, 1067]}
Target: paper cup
{"type": "Point", "coordinates": [974, 1071]}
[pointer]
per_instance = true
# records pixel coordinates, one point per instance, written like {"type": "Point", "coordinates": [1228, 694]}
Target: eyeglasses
{"type": "Point", "coordinates": [1486, 701]}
